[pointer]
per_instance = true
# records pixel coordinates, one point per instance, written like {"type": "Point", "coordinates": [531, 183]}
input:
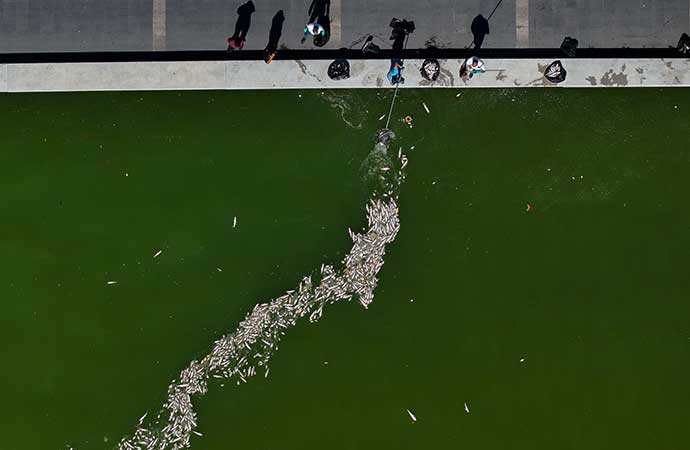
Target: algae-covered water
{"type": "Point", "coordinates": [540, 275]}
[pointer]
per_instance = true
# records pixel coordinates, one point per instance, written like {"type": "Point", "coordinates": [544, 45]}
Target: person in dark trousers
{"type": "Point", "coordinates": [244, 21]}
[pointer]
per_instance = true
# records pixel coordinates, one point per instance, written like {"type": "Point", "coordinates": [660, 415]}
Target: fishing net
{"type": "Point", "coordinates": [339, 70]}
{"type": "Point", "coordinates": [430, 69]}
{"type": "Point", "coordinates": [555, 72]}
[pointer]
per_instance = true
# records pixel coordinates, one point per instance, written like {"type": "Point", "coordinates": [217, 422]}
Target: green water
{"type": "Point", "coordinates": [589, 288]}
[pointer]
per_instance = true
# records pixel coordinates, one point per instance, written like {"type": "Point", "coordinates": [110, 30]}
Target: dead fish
{"type": "Point", "coordinates": [234, 222]}
{"type": "Point", "coordinates": [381, 118]}
{"type": "Point", "coordinates": [112, 282]}
{"type": "Point", "coordinates": [426, 108]}
{"type": "Point", "coordinates": [412, 416]}
{"type": "Point", "coordinates": [467, 409]}
{"type": "Point", "coordinates": [157, 254]}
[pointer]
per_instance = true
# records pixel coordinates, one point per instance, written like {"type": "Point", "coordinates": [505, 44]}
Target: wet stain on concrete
{"type": "Point", "coordinates": [500, 76]}
{"type": "Point", "coordinates": [306, 71]}
{"type": "Point", "coordinates": [379, 81]}
{"type": "Point", "coordinates": [611, 78]}
{"type": "Point", "coordinates": [542, 80]}
{"type": "Point", "coordinates": [670, 65]}
{"type": "Point", "coordinates": [592, 80]}
{"type": "Point", "coordinates": [640, 71]}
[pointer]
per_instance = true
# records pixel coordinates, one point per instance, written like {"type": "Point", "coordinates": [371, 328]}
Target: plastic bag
{"type": "Point", "coordinates": [339, 70]}
{"type": "Point", "coordinates": [555, 72]}
{"type": "Point", "coordinates": [430, 69]}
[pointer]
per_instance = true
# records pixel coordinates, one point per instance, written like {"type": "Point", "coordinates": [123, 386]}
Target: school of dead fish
{"type": "Point", "coordinates": [240, 355]}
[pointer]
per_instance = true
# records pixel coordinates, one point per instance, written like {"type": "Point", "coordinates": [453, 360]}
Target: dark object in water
{"type": "Point", "coordinates": [569, 46]}
{"type": "Point", "coordinates": [339, 70]}
{"type": "Point", "coordinates": [684, 44]}
{"type": "Point", "coordinates": [430, 69]}
{"type": "Point", "coordinates": [384, 136]}
{"type": "Point", "coordinates": [555, 72]}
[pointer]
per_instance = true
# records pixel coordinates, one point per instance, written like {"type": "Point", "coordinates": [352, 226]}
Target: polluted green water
{"type": "Point", "coordinates": [536, 296]}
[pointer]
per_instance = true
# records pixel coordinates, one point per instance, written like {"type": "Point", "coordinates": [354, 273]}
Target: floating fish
{"type": "Point", "coordinates": [234, 221]}
{"type": "Point", "coordinates": [112, 282]}
{"type": "Point", "coordinates": [382, 117]}
{"type": "Point", "coordinates": [426, 108]}
{"type": "Point", "coordinates": [467, 408]}
{"type": "Point", "coordinates": [412, 416]}
{"type": "Point", "coordinates": [158, 253]}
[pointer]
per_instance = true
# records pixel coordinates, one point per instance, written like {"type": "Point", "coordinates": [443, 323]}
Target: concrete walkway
{"type": "Point", "coordinates": [502, 73]}
{"type": "Point", "coordinates": [122, 25]}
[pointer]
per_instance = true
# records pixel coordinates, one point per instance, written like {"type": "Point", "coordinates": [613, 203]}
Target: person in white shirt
{"type": "Point", "coordinates": [314, 29]}
{"type": "Point", "coordinates": [471, 66]}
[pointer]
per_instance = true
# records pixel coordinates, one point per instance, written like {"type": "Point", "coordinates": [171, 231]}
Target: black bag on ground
{"type": "Point", "coordinates": [430, 69]}
{"type": "Point", "coordinates": [555, 72]}
{"type": "Point", "coordinates": [339, 70]}
{"type": "Point", "coordinates": [569, 46]}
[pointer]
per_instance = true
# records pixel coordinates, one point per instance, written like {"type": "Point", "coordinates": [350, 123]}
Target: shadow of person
{"type": "Point", "coordinates": [274, 36]}
{"type": "Point", "coordinates": [319, 9]}
{"type": "Point", "coordinates": [479, 28]}
{"type": "Point", "coordinates": [244, 21]}
{"type": "Point", "coordinates": [322, 39]}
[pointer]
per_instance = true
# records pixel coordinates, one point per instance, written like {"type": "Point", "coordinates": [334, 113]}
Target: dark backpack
{"type": "Point", "coordinates": [339, 70]}
{"type": "Point", "coordinates": [555, 72]}
{"type": "Point", "coordinates": [430, 69]}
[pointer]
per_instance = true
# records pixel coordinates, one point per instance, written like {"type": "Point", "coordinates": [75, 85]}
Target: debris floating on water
{"type": "Point", "coordinates": [237, 356]}
{"type": "Point", "coordinates": [412, 416]}
{"type": "Point", "coordinates": [158, 253]}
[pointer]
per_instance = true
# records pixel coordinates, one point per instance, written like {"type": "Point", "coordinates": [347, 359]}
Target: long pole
{"type": "Point", "coordinates": [395, 93]}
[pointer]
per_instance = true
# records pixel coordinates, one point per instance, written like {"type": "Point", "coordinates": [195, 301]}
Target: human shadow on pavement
{"type": "Point", "coordinates": [320, 11]}
{"type": "Point", "coordinates": [274, 36]}
{"type": "Point", "coordinates": [479, 28]}
{"type": "Point", "coordinates": [244, 21]}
